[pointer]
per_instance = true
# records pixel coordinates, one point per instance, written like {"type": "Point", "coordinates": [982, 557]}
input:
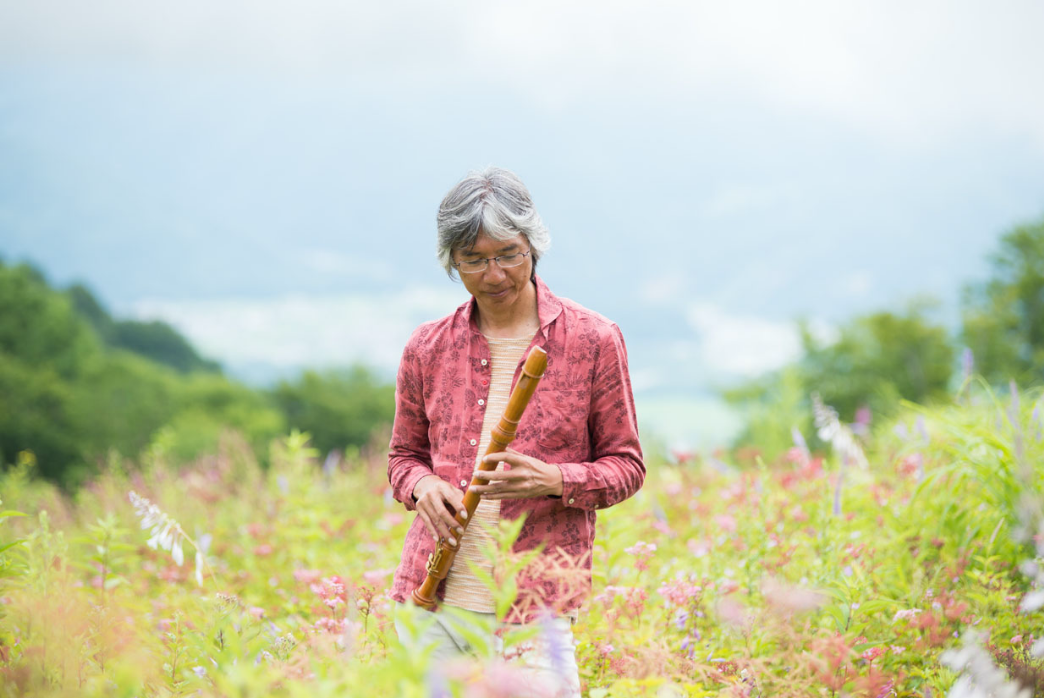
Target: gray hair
{"type": "Point", "coordinates": [494, 202]}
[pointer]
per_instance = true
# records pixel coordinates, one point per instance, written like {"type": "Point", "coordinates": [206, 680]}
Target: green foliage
{"type": "Point", "coordinates": [39, 326]}
{"type": "Point", "coordinates": [155, 340]}
{"type": "Point", "coordinates": [37, 414]}
{"type": "Point", "coordinates": [774, 407]}
{"type": "Point", "coordinates": [78, 385]}
{"type": "Point", "coordinates": [754, 586]}
{"type": "Point", "coordinates": [1003, 318]}
{"type": "Point", "coordinates": [338, 408]}
{"type": "Point", "coordinates": [877, 360]}
{"type": "Point", "coordinates": [880, 358]}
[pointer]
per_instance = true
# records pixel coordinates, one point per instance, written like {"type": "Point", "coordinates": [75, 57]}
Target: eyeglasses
{"type": "Point", "coordinates": [504, 261]}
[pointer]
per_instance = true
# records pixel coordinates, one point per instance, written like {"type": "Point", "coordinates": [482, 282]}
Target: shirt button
{"type": "Point", "coordinates": [481, 401]}
{"type": "Point", "coordinates": [473, 442]}
{"type": "Point", "coordinates": [485, 382]}
{"type": "Point", "coordinates": [571, 500]}
{"type": "Point", "coordinates": [484, 362]}
{"type": "Point", "coordinates": [463, 483]}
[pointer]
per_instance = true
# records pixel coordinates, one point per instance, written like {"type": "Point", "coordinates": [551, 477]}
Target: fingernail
{"type": "Point", "coordinates": [435, 538]}
{"type": "Point", "coordinates": [460, 531]}
{"type": "Point", "coordinates": [464, 515]}
{"type": "Point", "coordinates": [452, 541]}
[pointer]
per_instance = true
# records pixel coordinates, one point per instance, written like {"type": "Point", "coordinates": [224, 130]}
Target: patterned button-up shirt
{"type": "Point", "coordinates": [581, 418]}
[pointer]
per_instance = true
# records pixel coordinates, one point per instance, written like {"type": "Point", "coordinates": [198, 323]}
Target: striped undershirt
{"type": "Point", "coordinates": [463, 588]}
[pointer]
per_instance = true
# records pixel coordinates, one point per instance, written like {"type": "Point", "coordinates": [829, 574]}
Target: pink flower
{"type": "Point", "coordinates": [375, 577]}
{"type": "Point", "coordinates": [907, 614]}
{"type": "Point", "coordinates": [726, 523]}
{"type": "Point", "coordinates": [679, 592]}
{"type": "Point", "coordinates": [663, 528]}
{"type": "Point", "coordinates": [257, 612]}
{"type": "Point", "coordinates": [873, 653]}
{"type": "Point", "coordinates": [642, 551]}
{"type": "Point", "coordinates": [263, 550]}
{"type": "Point", "coordinates": [791, 599]}
{"type": "Point", "coordinates": [307, 576]}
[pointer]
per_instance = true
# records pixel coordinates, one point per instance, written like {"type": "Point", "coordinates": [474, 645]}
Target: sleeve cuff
{"type": "Point", "coordinates": [573, 476]}
{"type": "Point", "coordinates": [409, 482]}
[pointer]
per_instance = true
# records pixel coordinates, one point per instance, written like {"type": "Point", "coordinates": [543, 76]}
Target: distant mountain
{"type": "Point", "coordinates": [154, 340]}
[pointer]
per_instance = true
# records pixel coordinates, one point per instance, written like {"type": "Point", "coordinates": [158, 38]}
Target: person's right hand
{"type": "Point", "coordinates": [437, 503]}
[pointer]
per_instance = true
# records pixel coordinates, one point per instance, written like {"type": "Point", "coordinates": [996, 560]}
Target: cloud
{"type": "Point", "coordinates": [919, 71]}
{"type": "Point", "coordinates": [742, 346]}
{"type": "Point", "coordinates": [297, 330]}
{"type": "Point", "coordinates": [337, 263]}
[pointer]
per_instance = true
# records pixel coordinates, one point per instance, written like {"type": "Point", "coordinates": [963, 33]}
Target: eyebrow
{"type": "Point", "coordinates": [502, 250]}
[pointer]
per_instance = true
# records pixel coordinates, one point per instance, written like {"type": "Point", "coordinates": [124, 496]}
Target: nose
{"type": "Point", "coordinates": [494, 272]}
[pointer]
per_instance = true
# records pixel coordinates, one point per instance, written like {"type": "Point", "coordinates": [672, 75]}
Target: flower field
{"type": "Point", "coordinates": [913, 573]}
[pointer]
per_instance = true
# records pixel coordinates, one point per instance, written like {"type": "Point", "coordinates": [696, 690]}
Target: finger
{"type": "Point", "coordinates": [450, 528]}
{"type": "Point", "coordinates": [503, 457]}
{"type": "Point", "coordinates": [457, 502]}
{"type": "Point", "coordinates": [427, 523]}
{"type": "Point", "coordinates": [498, 475]}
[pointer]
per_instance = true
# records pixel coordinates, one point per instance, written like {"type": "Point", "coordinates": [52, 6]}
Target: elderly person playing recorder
{"type": "Point", "coordinates": [577, 447]}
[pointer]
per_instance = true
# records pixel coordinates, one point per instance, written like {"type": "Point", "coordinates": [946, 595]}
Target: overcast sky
{"type": "Point", "coordinates": [265, 175]}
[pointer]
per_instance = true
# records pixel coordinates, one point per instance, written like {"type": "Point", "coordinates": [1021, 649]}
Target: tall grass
{"type": "Point", "coordinates": [708, 582]}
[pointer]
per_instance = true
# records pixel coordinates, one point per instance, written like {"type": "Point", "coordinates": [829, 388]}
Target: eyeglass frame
{"type": "Point", "coordinates": [495, 259]}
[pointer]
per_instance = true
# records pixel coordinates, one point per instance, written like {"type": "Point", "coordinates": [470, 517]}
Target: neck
{"type": "Point", "coordinates": [519, 319]}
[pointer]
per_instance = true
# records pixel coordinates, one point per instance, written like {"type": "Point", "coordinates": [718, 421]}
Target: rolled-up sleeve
{"type": "Point", "coordinates": [618, 469]}
{"type": "Point", "coordinates": [409, 454]}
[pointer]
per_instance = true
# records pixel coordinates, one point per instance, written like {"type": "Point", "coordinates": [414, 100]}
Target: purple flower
{"type": "Point", "coordinates": [557, 649]}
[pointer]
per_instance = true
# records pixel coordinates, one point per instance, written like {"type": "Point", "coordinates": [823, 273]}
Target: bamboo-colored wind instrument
{"type": "Point", "coordinates": [440, 561]}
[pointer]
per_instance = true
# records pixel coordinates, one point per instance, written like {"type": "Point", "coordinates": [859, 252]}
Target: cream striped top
{"type": "Point", "coordinates": [463, 588]}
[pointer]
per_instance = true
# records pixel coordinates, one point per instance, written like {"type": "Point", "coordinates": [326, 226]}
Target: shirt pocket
{"type": "Point", "coordinates": [561, 425]}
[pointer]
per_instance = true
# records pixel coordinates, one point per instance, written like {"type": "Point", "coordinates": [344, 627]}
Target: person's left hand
{"type": "Point", "coordinates": [522, 476]}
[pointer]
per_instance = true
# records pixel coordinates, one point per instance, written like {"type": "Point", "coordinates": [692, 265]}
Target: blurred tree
{"type": "Point", "coordinates": [339, 408]}
{"type": "Point", "coordinates": [876, 360]}
{"type": "Point", "coordinates": [161, 343]}
{"type": "Point", "coordinates": [879, 358]}
{"type": "Point", "coordinates": [1003, 318]}
{"type": "Point", "coordinates": [36, 414]}
{"type": "Point", "coordinates": [210, 403]}
{"type": "Point", "coordinates": [155, 340]}
{"type": "Point", "coordinates": [120, 400]}
{"type": "Point", "coordinates": [39, 326]}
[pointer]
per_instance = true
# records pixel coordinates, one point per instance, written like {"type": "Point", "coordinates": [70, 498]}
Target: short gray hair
{"type": "Point", "coordinates": [494, 202]}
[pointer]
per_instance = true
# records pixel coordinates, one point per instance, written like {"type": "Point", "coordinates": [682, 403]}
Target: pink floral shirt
{"type": "Point", "coordinates": [581, 418]}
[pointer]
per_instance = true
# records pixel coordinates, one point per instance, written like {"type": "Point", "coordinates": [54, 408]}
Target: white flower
{"type": "Point", "coordinates": [840, 436]}
{"type": "Point", "coordinates": [165, 533]}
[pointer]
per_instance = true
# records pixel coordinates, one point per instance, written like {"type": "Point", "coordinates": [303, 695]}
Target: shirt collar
{"type": "Point", "coordinates": [548, 307]}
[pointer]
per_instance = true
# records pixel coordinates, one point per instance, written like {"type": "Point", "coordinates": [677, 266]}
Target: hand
{"type": "Point", "coordinates": [437, 502]}
{"type": "Point", "coordinates": [522, 477]}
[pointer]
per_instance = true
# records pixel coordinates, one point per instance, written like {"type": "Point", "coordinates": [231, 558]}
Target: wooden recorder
{"type": "Point", "coordinates": [440, 561]}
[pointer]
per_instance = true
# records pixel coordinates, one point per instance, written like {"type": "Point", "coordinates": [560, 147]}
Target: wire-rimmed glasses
{"type": "Point", "coordinates": [504, 261]}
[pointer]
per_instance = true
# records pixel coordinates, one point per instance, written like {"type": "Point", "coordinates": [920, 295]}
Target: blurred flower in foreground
{"type": "Point", "coordinates": [166, 533]}
{"type": "Point", "coordinates": [980, 677]}
{"type": "Point", "coordinates": [840, 436]}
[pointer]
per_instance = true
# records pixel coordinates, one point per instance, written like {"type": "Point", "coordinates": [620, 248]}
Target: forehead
{"type": "Point", "coordinates": [485, 245]}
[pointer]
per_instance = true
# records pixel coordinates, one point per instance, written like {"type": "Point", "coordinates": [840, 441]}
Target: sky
{"type": "Point", "coordinates": [265, 175]}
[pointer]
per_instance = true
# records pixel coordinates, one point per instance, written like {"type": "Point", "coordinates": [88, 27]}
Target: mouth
{"type": "Point", "coordinates": [499, 294]}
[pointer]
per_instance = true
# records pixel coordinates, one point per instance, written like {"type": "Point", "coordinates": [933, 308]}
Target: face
{"type": "Point", "coordinates": [495, 286]}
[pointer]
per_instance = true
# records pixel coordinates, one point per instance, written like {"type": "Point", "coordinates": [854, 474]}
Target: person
{"type": "Point", "coordinates": [576, 450]}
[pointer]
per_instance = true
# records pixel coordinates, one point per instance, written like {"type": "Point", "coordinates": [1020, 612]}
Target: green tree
{"type": "Point", "coordinates": [339, 408]}
{"type": "Point", "coordinates": [876, 360]}
{"type": "Point", "coordinates": [155, 340]}
{"type": "Point", "coordinates": [879, 358]}
{"type": "Point", "coordinates": [1003, 318]}
{"type": "Point", "coordinates": [39, 326]}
